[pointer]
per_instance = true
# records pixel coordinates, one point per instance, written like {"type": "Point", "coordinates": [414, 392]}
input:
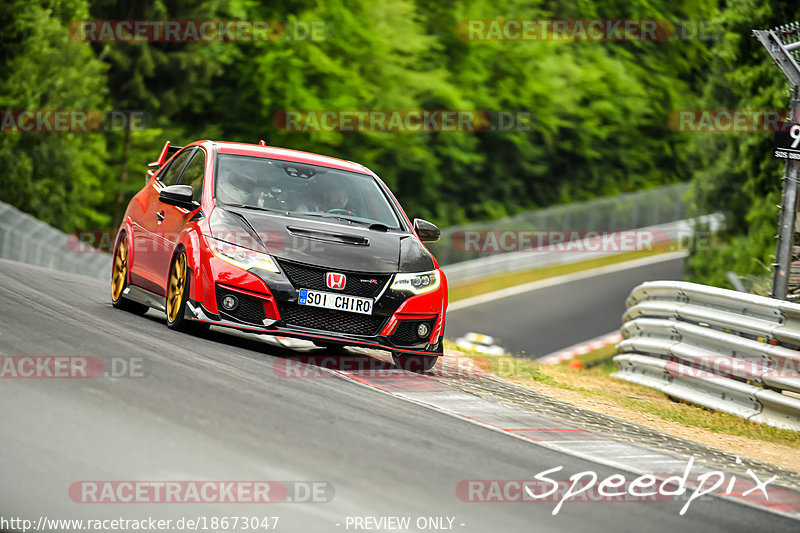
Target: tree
{"type": "Point", "coordinates": [735, 174]}
{"type": "Point", "coordinates": [58, 176]}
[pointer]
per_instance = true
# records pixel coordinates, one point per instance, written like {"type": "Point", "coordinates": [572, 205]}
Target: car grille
{"type": "Point", "coordinates": [250, 309]}
{"type": "Point", "coordinates": [358, 283]}
{"type": "Point", "coordinates": [329, 320]}
{"type": "Point", "coordinates": [406, 332]}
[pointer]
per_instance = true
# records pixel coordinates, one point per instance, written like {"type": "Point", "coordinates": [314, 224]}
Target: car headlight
{"type": "Point", "coordinates": [418, 282]}
{"type": "Point", "coordinates": [241, 257]}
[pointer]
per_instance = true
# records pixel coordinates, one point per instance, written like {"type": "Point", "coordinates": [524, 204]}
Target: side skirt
{"type": "Point", "coordinates": [143, 296]}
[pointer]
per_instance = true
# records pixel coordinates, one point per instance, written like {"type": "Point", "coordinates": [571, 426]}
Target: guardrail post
{"type": "Point", "coordinates": [786, 227]}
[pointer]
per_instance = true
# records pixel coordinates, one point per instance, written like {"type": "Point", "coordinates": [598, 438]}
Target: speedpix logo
{"type": "Point", "coordinates": [587, 487]}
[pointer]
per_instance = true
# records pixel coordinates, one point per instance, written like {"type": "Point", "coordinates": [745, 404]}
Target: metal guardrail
{"type": "Point", "coordinates": [726, 350]}
{"type": "Point", "coordinates": [648, 207]}
{"type": "Point", "coordinates": [677, 232]}
{"type": "Point", "coordinates": [25, 239]}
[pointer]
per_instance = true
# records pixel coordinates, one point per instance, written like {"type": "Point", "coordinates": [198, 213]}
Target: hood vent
{"type": "Point", "coordinates": [338, 238]}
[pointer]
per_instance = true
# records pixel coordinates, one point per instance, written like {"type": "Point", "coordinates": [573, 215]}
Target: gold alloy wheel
{"type": "Point", "coordinates": [177, 283]}
{"type": "Point", "coordinates": [119, 272]}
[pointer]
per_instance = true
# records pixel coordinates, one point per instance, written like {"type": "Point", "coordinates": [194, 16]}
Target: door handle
{"type": "Point", "coordinates": [160, 215]}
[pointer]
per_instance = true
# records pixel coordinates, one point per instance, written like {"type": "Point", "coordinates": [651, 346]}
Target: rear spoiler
{"type": "Point", "coordinates": [167, 152]}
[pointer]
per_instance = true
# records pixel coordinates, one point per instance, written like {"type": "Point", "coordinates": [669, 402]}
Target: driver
{"type": "Point", "coordinates": [335, 198]}
{"type": "Point", "coordinates": [235, 188]}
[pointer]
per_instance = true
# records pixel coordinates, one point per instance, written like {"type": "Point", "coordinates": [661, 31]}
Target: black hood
{"type": "Point", "coordinates": [319, 242]}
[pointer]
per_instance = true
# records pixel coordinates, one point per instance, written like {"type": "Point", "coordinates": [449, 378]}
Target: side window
{"type": "Point", "coordinates": [171, 174]}
{"type": "Point", "coordinates": [193, 175]}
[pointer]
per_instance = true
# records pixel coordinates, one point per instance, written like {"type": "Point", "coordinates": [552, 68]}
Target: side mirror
{"type": "Point", "coordinates": [179, 196]}
{"type": "Point", "coordinates": [427, 232]}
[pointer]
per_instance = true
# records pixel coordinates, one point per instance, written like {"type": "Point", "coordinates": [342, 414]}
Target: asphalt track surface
{"type": "Point", "coordinates": [212, 407]}
{"type": "Point", "coordinates": [542, 321]}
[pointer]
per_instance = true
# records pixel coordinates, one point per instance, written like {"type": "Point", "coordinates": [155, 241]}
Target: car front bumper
{"type": "Point", "coordinates": [267, 303]}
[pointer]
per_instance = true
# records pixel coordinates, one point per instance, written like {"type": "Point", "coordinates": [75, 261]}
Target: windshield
{"type": "Point", "coordinates": [302, 190]}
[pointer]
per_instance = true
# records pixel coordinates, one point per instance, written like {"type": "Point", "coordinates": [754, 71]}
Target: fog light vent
{"type": "Point", "coordinates": [423, 330]}
{"type": "Point", "coordinates": [230, 302]}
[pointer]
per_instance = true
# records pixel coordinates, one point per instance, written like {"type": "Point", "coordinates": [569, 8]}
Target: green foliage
{"type": "Point", "coordinates": [734, 173]}
{"type": "Point", "coordinates": [56, 176]}
{"type": "Point", "coordinates": [597, 125]}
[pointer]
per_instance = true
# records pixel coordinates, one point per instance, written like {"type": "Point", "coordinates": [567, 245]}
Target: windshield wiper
{"type": "Point", "coordinates": [375, 226]}
{"type": "Point", "coordinates": [339, 217]}
{"type": "Point", "coordinates": [258, 208]}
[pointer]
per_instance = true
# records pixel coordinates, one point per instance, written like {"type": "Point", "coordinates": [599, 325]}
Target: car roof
{"type": "Point", "coordinates": [285, 154]}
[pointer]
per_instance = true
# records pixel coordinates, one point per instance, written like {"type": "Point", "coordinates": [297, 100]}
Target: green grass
{"type": "Point", "coordinates": [597, 383]}
{"type": "Point", "coordinates": [596, 357]}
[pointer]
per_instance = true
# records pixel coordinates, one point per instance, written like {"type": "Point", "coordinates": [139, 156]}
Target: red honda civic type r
{"type": "Point", "coordinates": [281, 242]}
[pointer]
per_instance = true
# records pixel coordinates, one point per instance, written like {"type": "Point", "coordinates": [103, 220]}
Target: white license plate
{"type": "Point", "coordinates": [339, 302]}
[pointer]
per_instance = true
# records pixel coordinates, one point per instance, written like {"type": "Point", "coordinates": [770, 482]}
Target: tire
{"type": "Point", "coordinates": [177, 292]}
{"type": "Point", "coordinates": [414, 362]}
{"type": "Point", "coordinates": [180, 291]}
{"type": "Point", "coordinates": [119, 279]}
